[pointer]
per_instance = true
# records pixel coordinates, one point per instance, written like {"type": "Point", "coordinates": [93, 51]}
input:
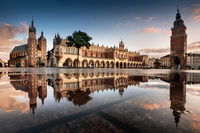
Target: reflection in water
{"type": "Point", "coordinates": [33, 84]}
{"type": "Point", "coordinates": [177, 95]}
{"type": "Point", "coordinates": [77, 88]}
{"type": "Point", "coordinates": [67, 85]}
{"type": "Point", "coordinates": [178, 81]}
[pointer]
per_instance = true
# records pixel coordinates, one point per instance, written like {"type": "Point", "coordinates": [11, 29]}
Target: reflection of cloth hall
{"type": "Point", "coordinates": [66, 85]}
{"type": "Point", "coordinates": [63, 84]}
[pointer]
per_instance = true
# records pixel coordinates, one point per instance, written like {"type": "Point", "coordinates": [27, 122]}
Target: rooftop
{"type": "Point", "coordinates": [23, 47]}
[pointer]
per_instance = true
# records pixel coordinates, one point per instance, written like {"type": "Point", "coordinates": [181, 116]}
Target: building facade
{"type": "Point", "coordinates": [32, 54]}
{"type": "Point", "coordinates": [178, 57]}
{"type": "Point", "coordinates": [96, 56]}
{"type": "Point", "coordinates": [193, 60]}
{"type": "Point", "coordinates": [165, 61]}
{"type": "Point", "coordinates": [151, 62]}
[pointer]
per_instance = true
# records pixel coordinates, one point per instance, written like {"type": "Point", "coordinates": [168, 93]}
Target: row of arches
{"type": "Point", "coordinates": [99, 64]}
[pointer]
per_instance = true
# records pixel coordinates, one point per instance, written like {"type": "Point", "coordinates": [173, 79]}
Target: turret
{"type": "Point", "coordinates": [178, 22]}
{"type": "Point", "coordinates": [41, 41]}
{"type": "Point", "coordinates": [57, 39]}
{"type": "Point", "coordinates": [42, 47]}
{"type": "Point", "coordinates": [32, 27]}
{"type": "Point", "coordinates": [121, 44]}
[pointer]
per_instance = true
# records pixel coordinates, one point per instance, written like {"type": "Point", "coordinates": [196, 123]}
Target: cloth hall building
{"type": "Point", "coordinates": [96, 56]}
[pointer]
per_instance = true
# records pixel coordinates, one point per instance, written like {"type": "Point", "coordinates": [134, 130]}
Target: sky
{"type": "Point", "coordinates": [143, 25]}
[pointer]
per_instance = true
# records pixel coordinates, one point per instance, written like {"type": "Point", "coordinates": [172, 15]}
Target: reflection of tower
{"type": "Point", "coordinates": [32, 91]}
{"type": "Point", "coordinates": [36, 85]}
{"type": "Point", "coordinates": [177, 95]}
{"type": "Point", "coordinates": [33, 84]}
{"type": "Point", "coordinates": [42, 87]}
{"type": "Point", "coordinates": [178, 43]}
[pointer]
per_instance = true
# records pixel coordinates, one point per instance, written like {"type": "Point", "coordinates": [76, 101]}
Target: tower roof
{"type": "Point", "coordinates": [32, 27]}
{"type": "Point", "coordinates": [178, 21]}
{"type": "Point", "coordinates": [42, 36]}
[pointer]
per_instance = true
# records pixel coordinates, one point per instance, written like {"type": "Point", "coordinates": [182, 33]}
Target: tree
{"type": "Point", "coordinates": [157, 63]}
{"type": "Point", "coordinates": [79, 39]}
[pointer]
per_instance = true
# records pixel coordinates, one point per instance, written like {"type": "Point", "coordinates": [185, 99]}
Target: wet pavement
{"type": "Point", "coordinates": [99, 100]}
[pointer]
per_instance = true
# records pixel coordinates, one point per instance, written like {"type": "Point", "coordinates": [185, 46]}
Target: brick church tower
{"type": "Point", "coordinates": [32, 46]}
{"type": "Point", "coordinates": [36, 48]}
{"type": "Point", "coordinates": [178, 51]}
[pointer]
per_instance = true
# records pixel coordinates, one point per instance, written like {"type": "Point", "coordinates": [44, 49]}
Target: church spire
{"type": "Point", "coordinates": [32, 27]}
{"type": "Point", "coordinates": [32, 22]}
{"type": "Point", "coordinates": [178, 21]}
{"type": "Point", "coordinates": [177, 9]}
{"type": "Point", "coordinates": [178, 15]}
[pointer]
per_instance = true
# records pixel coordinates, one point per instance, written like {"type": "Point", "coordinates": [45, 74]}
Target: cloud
{"type": "Point", "coordinates": [154, 50]}
{"type": "Point", "coordinates": [158, 52]}
{"type": "Point", "coordinates": [123, 24]}
{"type": "Point", "coordinates": [8, 40]}
{"type": "Point", "coordinates": [137, 18]}
{"type": "Point", "coordinates": [9, 101]}
{"type": "Point", "coordinates": [149, 106]}
{"type": "Point", "coordinates": [148, 20]}
{"type": "Point", "coordinates": [195, 121]}
{"type": "Point", "coordinates": [196, 13]}
{"type": "Point", "coordinates": [194, 46]}
{"type": "Point", "coordinates": [151, 30]}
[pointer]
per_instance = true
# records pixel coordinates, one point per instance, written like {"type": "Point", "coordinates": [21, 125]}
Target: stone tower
{"type": "Point", "coordinates": [42, 50]}
{"type": "Point", "coordinates": [32, 46]}
{"type": "Point", "coordinates": [178, 51]}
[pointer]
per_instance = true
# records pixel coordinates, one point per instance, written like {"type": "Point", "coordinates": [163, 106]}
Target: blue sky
{"type": "Point", "coordinates": [142, 24]}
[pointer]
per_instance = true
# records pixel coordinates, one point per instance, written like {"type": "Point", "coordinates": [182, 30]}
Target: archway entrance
{"type": "Point", "coordinates": [91, 63]}
{"type": "Point", "coordinates": [117, 65]}
{"type": "Point", "coordinates": [84, 63]}
{"type": "Point", "coordinates": [177, 62]}
{"type": "Point", "coordinates": [107, 64]}
{"type": "Point", "coordinates": [68, 62]}
{"type": "Point", "coordinates": [112, 65]}
{"type": "Point", "coordinates": [97, 64]}
{"type": "Point", "coordinates": [1, 65]}
{"type": "Point", "coordinates": [76, 63]}
{"type": "Point", "coordinates": [121, 65]}
{"type": "Point", "coordinates": [102, 64]}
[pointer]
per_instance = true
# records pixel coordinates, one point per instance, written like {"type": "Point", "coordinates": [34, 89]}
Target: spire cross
{"type": "Point", "coordinates": [32, 22]}
{"type": "Point", "coordinates": [177, 8]}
